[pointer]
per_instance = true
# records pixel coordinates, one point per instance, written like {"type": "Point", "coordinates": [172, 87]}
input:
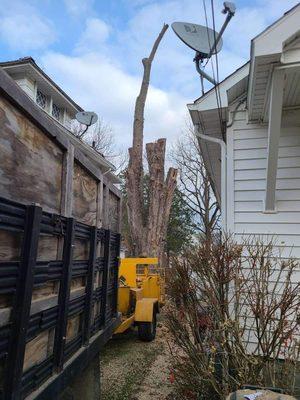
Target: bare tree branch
{"type": "Point", "coordinates": [195, 184]}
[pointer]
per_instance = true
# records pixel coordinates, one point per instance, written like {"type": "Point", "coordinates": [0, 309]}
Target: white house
{"type": "Point", "coordinates": [42, 89]}
{"type": "Point", "coordinates": [251, 142]}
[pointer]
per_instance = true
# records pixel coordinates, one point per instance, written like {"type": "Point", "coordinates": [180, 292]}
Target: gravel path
{"type": "Point", "coordinates": [135, 370]}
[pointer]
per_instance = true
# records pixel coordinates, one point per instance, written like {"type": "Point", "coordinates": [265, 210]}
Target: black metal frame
{"type": "Point", "coordinates": [19, 278]}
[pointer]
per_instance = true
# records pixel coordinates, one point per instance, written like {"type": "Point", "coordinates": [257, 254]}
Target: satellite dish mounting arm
{"type": "Point", "coordinates": [229, 9]}
{"type": "Point", "coordinates": [88, 125]}
{"type": "Point", "coordinates": [86, 118]}
{"type": "Point", "coordinates": [198, 58]}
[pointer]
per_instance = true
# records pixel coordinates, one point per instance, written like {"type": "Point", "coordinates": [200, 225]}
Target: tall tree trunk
{"type": "Point", "coordinates": [148, 234]}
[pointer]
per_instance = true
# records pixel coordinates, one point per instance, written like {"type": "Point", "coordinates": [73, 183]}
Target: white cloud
{"type": "Point", "coordinates": [24, 29]}
{"type": "Point", "coordinates": [104, 72]}
{"type": "Point", "coordinates": [99, 85]}
{"type": "Point", "coordinates": [94, 35]}
{"type": "Point", "coordinates": [174, 69]}
{"type": "Point", "coordinates": [78, 8]}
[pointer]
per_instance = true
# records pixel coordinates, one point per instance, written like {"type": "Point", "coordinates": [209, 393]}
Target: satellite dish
{"type": "Point", "coordinates": [198, 37]}
{"type": "Point", "coordinates": [87, 118]}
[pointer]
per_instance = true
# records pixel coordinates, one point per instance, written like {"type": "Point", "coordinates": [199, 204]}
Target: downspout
{"type": "Point", "coordinates": [222, 144]}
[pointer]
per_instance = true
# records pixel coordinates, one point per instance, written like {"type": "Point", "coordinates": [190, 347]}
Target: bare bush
{"type": "Point", "coordinates": [233, 318]}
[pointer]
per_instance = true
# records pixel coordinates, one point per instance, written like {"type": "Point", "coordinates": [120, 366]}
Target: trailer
{"type": "Point", "coordinates": [59, 250]}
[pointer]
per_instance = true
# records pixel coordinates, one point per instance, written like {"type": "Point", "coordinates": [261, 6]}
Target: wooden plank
{"type": "Point", "coordinates": [77, 283]}
{"type": "Point", "coordinates": [99, 204]}
{"type": "Point", "coordinates": [120, 205]}
{"type": "Point", "coordinates": [67, 182]}
{"type": "Point", "coordinates": [113, 212]}
{"type": "Point", "coordinates": [113, 188]}
{"type": "Point", "coordinates": [105, 211]}
{"type": "Point", "coordinates": [48, 289]}
{"type": "Point", "coordinates": [85, 162]}
{"type": "Point", "coordinates": [47, 248]}
{"type": "Point", "coordinates": [81, 249]}
{"type": "Point", "coordinates": [26, 157]}
{"type": "Point", "coordinates": [84, 196]}
{"type": "Point", "coordinates": [90, 286]}
{"type": "Point", "coordinates": [67, 190]}
{"type": "Point", "coordinates": [73, 327]}
{"type": "Point", "coordinates": [10, 245]}
{"type": "Point", "coordinates": [64, 295]}
{"type": "Point", "coordinates": [36, 350]}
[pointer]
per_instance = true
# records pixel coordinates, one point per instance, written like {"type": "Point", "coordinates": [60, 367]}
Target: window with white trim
{"type": "Point", "coordinates": [41, 99]}
{"type": "Point", "coordinates": [55, 111]}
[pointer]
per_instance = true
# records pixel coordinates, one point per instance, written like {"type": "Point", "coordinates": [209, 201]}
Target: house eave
{"type": "Point", "coordinates": [266, 54]}
{"type": "Point", "coordinates": [211, 121]}
{"type": "Point", "coordinates": [28, 65]}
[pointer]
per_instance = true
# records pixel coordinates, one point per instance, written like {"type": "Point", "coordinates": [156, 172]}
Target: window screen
{"type": "Point", "coordinates": [41, 99]}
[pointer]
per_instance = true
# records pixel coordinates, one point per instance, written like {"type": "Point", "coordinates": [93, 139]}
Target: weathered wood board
{"type": "Point", "coordinates": [81, 250]}
{"type": "Point", "coordinates": [38, 349]}
{"type": "Point", "coordinates": [30, 163]}
{"type": "Point", "coordinates": [73, 327]}
{"type": "Point", "coordinates": [84, 196]}
{"type": "Point", "coordinates": [113, 212]}
{"type": "Point", "coordinates": [10, 245]}
{"type": "Point", "coordinates": [48, 248]}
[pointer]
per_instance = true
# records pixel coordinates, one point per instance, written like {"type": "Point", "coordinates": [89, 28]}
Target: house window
{"type": "Point", "coordinates": [41, 99]}
{"type": "Point", "coordinates": [55, 111]}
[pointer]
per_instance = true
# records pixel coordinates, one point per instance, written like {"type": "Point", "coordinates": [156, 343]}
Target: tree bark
{"type": "Point", "coordinates": [161, 195]}
{"type": "Point", "coordinates": [148, 234]}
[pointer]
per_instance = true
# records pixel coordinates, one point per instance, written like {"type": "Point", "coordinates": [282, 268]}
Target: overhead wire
{"type": "Point", "coordinates": [215, 75]}
{"type": "Point", "coordinates": [217, 87]}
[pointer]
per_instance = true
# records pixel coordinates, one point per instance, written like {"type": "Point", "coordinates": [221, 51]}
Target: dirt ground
{"type": "Point", "coordinates": [135, 370]}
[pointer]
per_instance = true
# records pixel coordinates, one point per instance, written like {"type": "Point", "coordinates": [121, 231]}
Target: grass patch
{"type": "Point", "coordinates": [124, 364]}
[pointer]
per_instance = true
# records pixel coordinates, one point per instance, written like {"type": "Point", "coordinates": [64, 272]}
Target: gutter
{"type": "Point", "coordinates": [222, 144]}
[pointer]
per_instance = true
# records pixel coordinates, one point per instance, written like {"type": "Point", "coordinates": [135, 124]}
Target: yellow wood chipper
{"type": "Point", "coordinates": [140, 295]}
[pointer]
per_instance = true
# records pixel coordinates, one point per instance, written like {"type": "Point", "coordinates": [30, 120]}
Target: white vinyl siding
{"type": "Point", "coordinates": [249, 160]}
{"type": "Point", "coordinates": [246, 183]}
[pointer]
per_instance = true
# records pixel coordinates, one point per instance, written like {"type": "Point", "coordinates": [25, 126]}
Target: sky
{"type": "Point", "coordinates": [93, 50]}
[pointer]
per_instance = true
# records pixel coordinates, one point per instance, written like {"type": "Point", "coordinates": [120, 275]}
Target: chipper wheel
{"type": "Point", "coordinates": [147, 330]}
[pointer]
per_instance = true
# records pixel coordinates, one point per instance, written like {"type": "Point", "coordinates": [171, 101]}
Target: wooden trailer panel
{"type": "Point", "coordinates": [30, 162]}
{"type": "Point", "coordinates": [84, 196]}
{"type": "Point", "coordinates": [71, 299]}
{"type": "Point", "coordinates": [113, 212]}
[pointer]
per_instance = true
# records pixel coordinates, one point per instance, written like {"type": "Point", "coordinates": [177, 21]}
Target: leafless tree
{"type": "Point", "coordinates": [195, 183]}
{"type": "Point", "coordinates": [100, 136]}
{"type": "Point", "coordinates": [148, 232]}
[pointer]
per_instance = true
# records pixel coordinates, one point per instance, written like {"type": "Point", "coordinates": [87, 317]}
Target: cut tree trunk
{"type": "Point", "coordinates": [148, 233]}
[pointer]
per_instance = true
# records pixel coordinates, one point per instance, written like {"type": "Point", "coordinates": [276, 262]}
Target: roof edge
{"type": "Point", "coordinates": [31, 61]}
